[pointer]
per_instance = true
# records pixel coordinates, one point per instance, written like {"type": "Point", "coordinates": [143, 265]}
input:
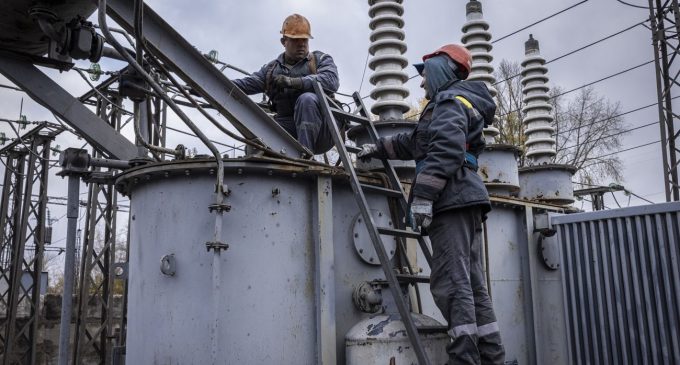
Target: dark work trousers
{"type": "Point", "coordinates": [307, 125]}
{"type": "Point", "coordinates": [459, 289]}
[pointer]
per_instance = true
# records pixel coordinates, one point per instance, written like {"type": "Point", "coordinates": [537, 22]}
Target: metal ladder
{"type": "Point", "coordinates": [361, 117]}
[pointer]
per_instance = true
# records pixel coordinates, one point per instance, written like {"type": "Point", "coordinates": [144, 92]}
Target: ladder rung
{"type": "Point", "coordinates": [398, 232]}
{"type": "Point", "coordinates": [381, 190]}
{"type": "Point", "coordinates": [353, 117]}
{"type": "Point", "coordinates": [407, 278]}
{"type": "Point", "coordinates": [352, 149]}
{"type": "Point", "coordinates": [432, 329]}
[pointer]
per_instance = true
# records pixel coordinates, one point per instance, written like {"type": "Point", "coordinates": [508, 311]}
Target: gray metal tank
{"type": "Point", "coordinates": [287, 278]}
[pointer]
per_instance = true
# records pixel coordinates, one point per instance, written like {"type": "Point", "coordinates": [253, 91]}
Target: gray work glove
{"type": "Point", "coordinates": [286, 82]}
{"type": "Point", "coordinates": [421, 209]}
{"type": "Point", "coordinates": [368, 151]}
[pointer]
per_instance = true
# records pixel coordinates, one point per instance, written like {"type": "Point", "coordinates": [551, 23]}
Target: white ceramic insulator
{"type": "Point", "coordinates": [387, 49]}
{"type": "Point", "coordinates": [477, 39]}
{"type": "Point", "coordinates": [538, 113]}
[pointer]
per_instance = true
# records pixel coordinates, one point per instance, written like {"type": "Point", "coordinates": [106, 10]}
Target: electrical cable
{"type": "Point", "coordinates": [609, 118]}
{"type": "Point", "coordinates": [615, 134]}
{"type": "Point", "coordinates": [193, 135]}
{"type": "Point", "coordinates": [82, 74]}
{"type": "Point", "coordinates": [630, 149]}
{"type": "Point", "coordinates": [361, 84]}
{"type": "Point", "coordinates": [633, 5]}
{"type": "Point", "coordinates": [11, 87]}
{"type": "Point", "coordinates": [580, 48]}
{"type": "Point", "coordinates": [586, 85]}
{"type": "Point", "coordinates": [539, 21]}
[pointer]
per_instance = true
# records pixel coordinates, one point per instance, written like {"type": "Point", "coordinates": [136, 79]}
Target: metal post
{"type": "Point", "coordinates": [663, 59]}
{"type": "Point", "coordinates": [69, 270]}
{"type": "Point", "coordinates": [16, 224]}
{"type": "Point", "coordinates": [325, 275]}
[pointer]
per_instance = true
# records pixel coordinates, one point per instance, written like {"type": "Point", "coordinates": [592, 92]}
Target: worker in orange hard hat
{"type": "Point", "coordinates": [289, 80]}
{"type": "Point", "coordinates": [449, 199]}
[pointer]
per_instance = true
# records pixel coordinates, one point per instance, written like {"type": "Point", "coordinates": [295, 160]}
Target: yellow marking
{"type": "Point", "coordinates": [464, 101]}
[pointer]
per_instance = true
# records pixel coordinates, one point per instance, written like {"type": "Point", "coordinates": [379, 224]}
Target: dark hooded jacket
{"type": "Point", "coordinates": [446, 130]}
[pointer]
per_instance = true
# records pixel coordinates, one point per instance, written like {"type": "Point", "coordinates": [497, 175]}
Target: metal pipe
{"type": "Point", "coordinates": [114, 164]}
{"type": "Point", "coordinates": [69, 270]}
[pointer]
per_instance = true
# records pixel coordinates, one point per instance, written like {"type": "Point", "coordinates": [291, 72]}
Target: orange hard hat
{"type": "Point", "coordinates": [457, 53]}
{"type": "Point", "coordinates": [296, 26]}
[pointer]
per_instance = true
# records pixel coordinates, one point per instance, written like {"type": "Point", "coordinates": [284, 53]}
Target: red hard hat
{"type": "Point", "coordinates": [457, 53]}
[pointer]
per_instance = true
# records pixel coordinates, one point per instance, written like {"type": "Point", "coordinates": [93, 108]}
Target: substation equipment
{"type": "Point", "coordinates": [266, 258]}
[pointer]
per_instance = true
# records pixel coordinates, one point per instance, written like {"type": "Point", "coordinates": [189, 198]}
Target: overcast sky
{"type": "Point", "coordinates": [246, 34]}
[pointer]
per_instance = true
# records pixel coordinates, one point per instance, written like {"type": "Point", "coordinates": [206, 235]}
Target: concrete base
{"type": "Point", "coordinates": [498, 168]}
{"type": "Point", "coordinates": [547, 183]}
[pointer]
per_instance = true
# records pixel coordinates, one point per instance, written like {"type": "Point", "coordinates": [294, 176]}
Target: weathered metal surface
{"type": "Point", "coordinates": [322, 207]}
{"type": "Point", "coordinates": [388, 63]}
{"type": "Point", "coordinates": [621, 284]}
{"type": "Point", "coordinates": [268, 272]}
{"type": "Point", "coordinates": [498, 169]}
{"type": "Point", "coordinates": [547, 183]}
{"type": "Point", "coordinates": [362, 242]}
{"type": "Point", "coordinates": [382, 339]}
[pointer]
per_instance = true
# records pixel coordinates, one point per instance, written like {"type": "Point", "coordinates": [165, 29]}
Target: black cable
{"type": "Point", "coordinates": [629, 149]}
{"type": "Point", "coordinates": [581, 48]}
{"type": "Point", "coordinates": [11, 87]}
{"type": "Point", "coordinates": [616, 134]}
{"type": "Point", "coordinates": [610, 118]}
{"type": "Point", "coordinates": [633, 5]}
{"type": "Point", "coordinates": [193, 135]}
{"type": "Point", "coordinates": [540, 21]}
{"type": "Point", "coordinates": [364, 73]}
{"type": "Point", "coordinates": [588, 84]}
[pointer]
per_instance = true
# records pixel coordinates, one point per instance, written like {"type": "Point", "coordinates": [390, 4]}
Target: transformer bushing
{"type": "Point", "coordinates": [477, 39]}
{"type": "Point", "coordinates": [542, 179]}
{"type": "Point", "coordinates": [538, 119]}
{"type": "Point", "coordinates": [498, 163]}
{"type": "Point", "coordinates": [387, 48]}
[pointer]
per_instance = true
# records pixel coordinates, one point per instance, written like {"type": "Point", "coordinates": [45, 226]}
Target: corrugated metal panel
{"type": "Point", "coordinates": [622, 284]}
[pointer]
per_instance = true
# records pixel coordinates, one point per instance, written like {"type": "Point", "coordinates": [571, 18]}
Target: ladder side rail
{"type": "Point", "coordinates": [372, 230]}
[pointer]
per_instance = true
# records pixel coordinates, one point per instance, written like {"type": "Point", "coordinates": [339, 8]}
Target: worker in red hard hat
{"type": "Point", "coordinates": [449, 199]}
{"type": "Point", "coordinates": [289, 80]}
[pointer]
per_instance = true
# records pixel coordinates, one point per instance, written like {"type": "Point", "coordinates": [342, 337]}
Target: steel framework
{"type": "Point", "coordinates": [98, 259]}
{"type": "Point", "coordinates": [665, 26]}
{"type": "Point", "coordinates": [22, 233]}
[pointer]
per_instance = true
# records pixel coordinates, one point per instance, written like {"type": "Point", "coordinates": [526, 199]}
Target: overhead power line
{"type": "Point", "coordinates": [586, 85]}
{"type": "Point", "coordinates": [581, 48]}
{"type": "Point", "coordinates": [610, 118]}
{"type": "Point", "coordinates": [539, 21]}
{"type": "Point", "coordinates": [629, 149]}
{"type": "Point", "coordinates": [633, 5]}
{"type": "Point", "coordinates": [616, 134]}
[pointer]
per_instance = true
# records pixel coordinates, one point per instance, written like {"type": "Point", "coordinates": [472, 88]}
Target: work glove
{"type": "Point", "coordinates": [286, 82]}
{"type": "Point", "coordinates": [421, 209]}
{"type": "Point", "coordinates": [368, 151]}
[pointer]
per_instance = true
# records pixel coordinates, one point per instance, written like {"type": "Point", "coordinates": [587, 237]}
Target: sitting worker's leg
{"type": "Point", "coordinates": [288, 124]}
{"type": "Point", "coordinates": [311, 129]}
{"type": "Point", "coordinates": [489, 343]}
{"type": "Point", "coordinates": [451, 234]}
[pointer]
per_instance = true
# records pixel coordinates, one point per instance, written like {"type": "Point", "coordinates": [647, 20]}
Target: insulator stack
{"type": "Point", "coordinates": [477, 39]}
{"type": "Point", "coordinates": [387, 61]}
{"type": "Point", "coordinates": [538, 119]}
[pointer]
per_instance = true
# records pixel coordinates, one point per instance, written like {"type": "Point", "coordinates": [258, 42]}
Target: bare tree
{"type": "Point", "coordinates": [588, 126]}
